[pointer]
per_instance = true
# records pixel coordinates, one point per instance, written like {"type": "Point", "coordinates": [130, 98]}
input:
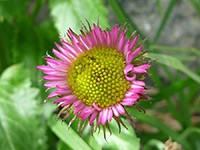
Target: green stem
{"type": "Point", "coordinates": [185, 109]}
{"type": "Point", "coordinates": [163, 23]}
{"type": "Point", "coordinates": [168, 48]}
{"type": "Point", "coordinates": [159, 8]}
{"type": "Point", "coordinates": [173, 110]}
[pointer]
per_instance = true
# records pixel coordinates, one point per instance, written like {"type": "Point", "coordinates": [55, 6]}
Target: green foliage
{"type": "Point", "coordinates": [68, 13]}
{"type": "Point", "coordinates": [125, 140]}
{"type": "Point", "coordinates": [9, 9]}
{"type": "Point", "coordinates": [69, 137]}
{"type": "Point", "coordinates": [20, 127]}
{"type": "Point", "coordinates": [175, 63]}
{"type": "Point", "coordinates": [27, 32]}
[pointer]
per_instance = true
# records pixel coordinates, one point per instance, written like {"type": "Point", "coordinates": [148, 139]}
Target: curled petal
{"type": "Point", "coordinates": [96, 107]}
{"type": "Point", "coordinates": [128, 69]}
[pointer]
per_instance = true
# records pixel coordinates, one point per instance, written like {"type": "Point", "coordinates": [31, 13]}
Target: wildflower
{"type": "Point", "coordinates": [96, 75]}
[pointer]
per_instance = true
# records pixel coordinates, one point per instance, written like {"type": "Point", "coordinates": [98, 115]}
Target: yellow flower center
{"type": "Point", "coordinates": [98, 76]}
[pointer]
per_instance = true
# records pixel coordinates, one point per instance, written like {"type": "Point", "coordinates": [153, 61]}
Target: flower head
{"type": "Point", "coordinates": [96, 75]}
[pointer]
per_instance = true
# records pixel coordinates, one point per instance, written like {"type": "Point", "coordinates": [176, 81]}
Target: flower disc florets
{"type": "Point", "coordinates": [97, 75]}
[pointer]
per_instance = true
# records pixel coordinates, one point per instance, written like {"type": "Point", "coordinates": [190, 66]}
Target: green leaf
{"type": "Point", "coordinates": [12, 8]}
{"type": "Point", "coordinates": [69, 13]}
{"type": "Point", "coordinates": [63, 146]}
{"type": "Point", "coordinates": [69, 137]}
{"type": "Point", "coordinates": [155, 122]}
{"type": "Point", "coordinates": [20, 128]}
{"type": "Point", "coordinates": [125, 140]}
{"type": "Point", "coordinates": [175, 63]}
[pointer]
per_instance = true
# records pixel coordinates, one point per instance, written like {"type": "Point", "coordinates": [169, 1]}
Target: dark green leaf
{"type": "Point", "coordinates": [12, 8]}
{"type": "Point", "coordinates": [63, 146]}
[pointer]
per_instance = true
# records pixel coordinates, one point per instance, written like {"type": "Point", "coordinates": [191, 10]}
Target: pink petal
{"type": "Point", "coordinates": [129, 99]}
{"type": "Point", "coordinates": [110, 114]}
{"type": "Point", "coordinates": [116, 113]}
{"type": "Point", "coordinates": [126, 47]}
{"type": "Point", "coordinates": [93, 117]}
{"type": "Point", "coordinates": [66, 52]}
{"type": "Point", "coordinates": [133, 42]}
{"type": "Point", "coordinates": [79, 108]}
{"type": "Point", "coordinates": [61, 56]}
{"type": "Point", "coordinates": [82, 113]}
{"type": "Point", "coordinates": [59, 100]}
{"type": "Point", "coordinates": [70, 48]}
{"type": "Point", "coordinates": [100, 118]}
{"type": "Point", "coordinates": [135, 87]}
{"type": "Point", "coordinates": [86, 115]}
{"type": "Point", "coordinates": [127, 69]}
{"type": "Point", "coordinates": [120, 109]}
{"type": "Point", "coordinates": [96, 107]}
{"type": "Point", "coordinates": [104, 116]}
{"type": "Point", "coordinates": [141, 83]}
{"type": "Point", "coordinates": [61, 78]}
{"type": "Point", "coordinates": [84, 42]}
{"type": "Point", "coordinates": [120, 43]}
{"type": "Point", "coordinates": [127, 103]}
{"type": "Point", "coordinates": [53, 94]}
{"type": "Point", "coordinates": [76, 104]}
{"type": "Point", "coordinates": [53, 84]}
{"type": "Point", "coordinates": [69, 102]}
{"type": "Point", "coordinates": [65, 86]}
{"type": "Point", "coordinates": [44, 68]}
{"type": "Point", "coordinates": [61, 91]}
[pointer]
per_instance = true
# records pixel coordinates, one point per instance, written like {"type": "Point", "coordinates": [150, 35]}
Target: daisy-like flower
{"type": "Point", "coordinates": [96, 75]}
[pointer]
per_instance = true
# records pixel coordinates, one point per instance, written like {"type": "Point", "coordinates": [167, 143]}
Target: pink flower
{"type": "Point", "coordinates": [96, 75]}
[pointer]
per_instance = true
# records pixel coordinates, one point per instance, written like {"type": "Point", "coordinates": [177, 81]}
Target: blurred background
{"type": "Point", "coordinates": [29, 28]}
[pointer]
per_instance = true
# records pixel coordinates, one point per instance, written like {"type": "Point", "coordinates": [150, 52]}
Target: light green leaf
{"type": "Point", "coordinates": [154, 143]}
{"type": "Point", "coordinates": [69, 137]}
{"type": "Point", "coordinates": [20, 128]}
{"type": "Point", "coordinates": [125, 140]}
{"type": "Point", "coordinates": [175, 63]}
{"type": "Point", "coordinates": [69, 13]}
